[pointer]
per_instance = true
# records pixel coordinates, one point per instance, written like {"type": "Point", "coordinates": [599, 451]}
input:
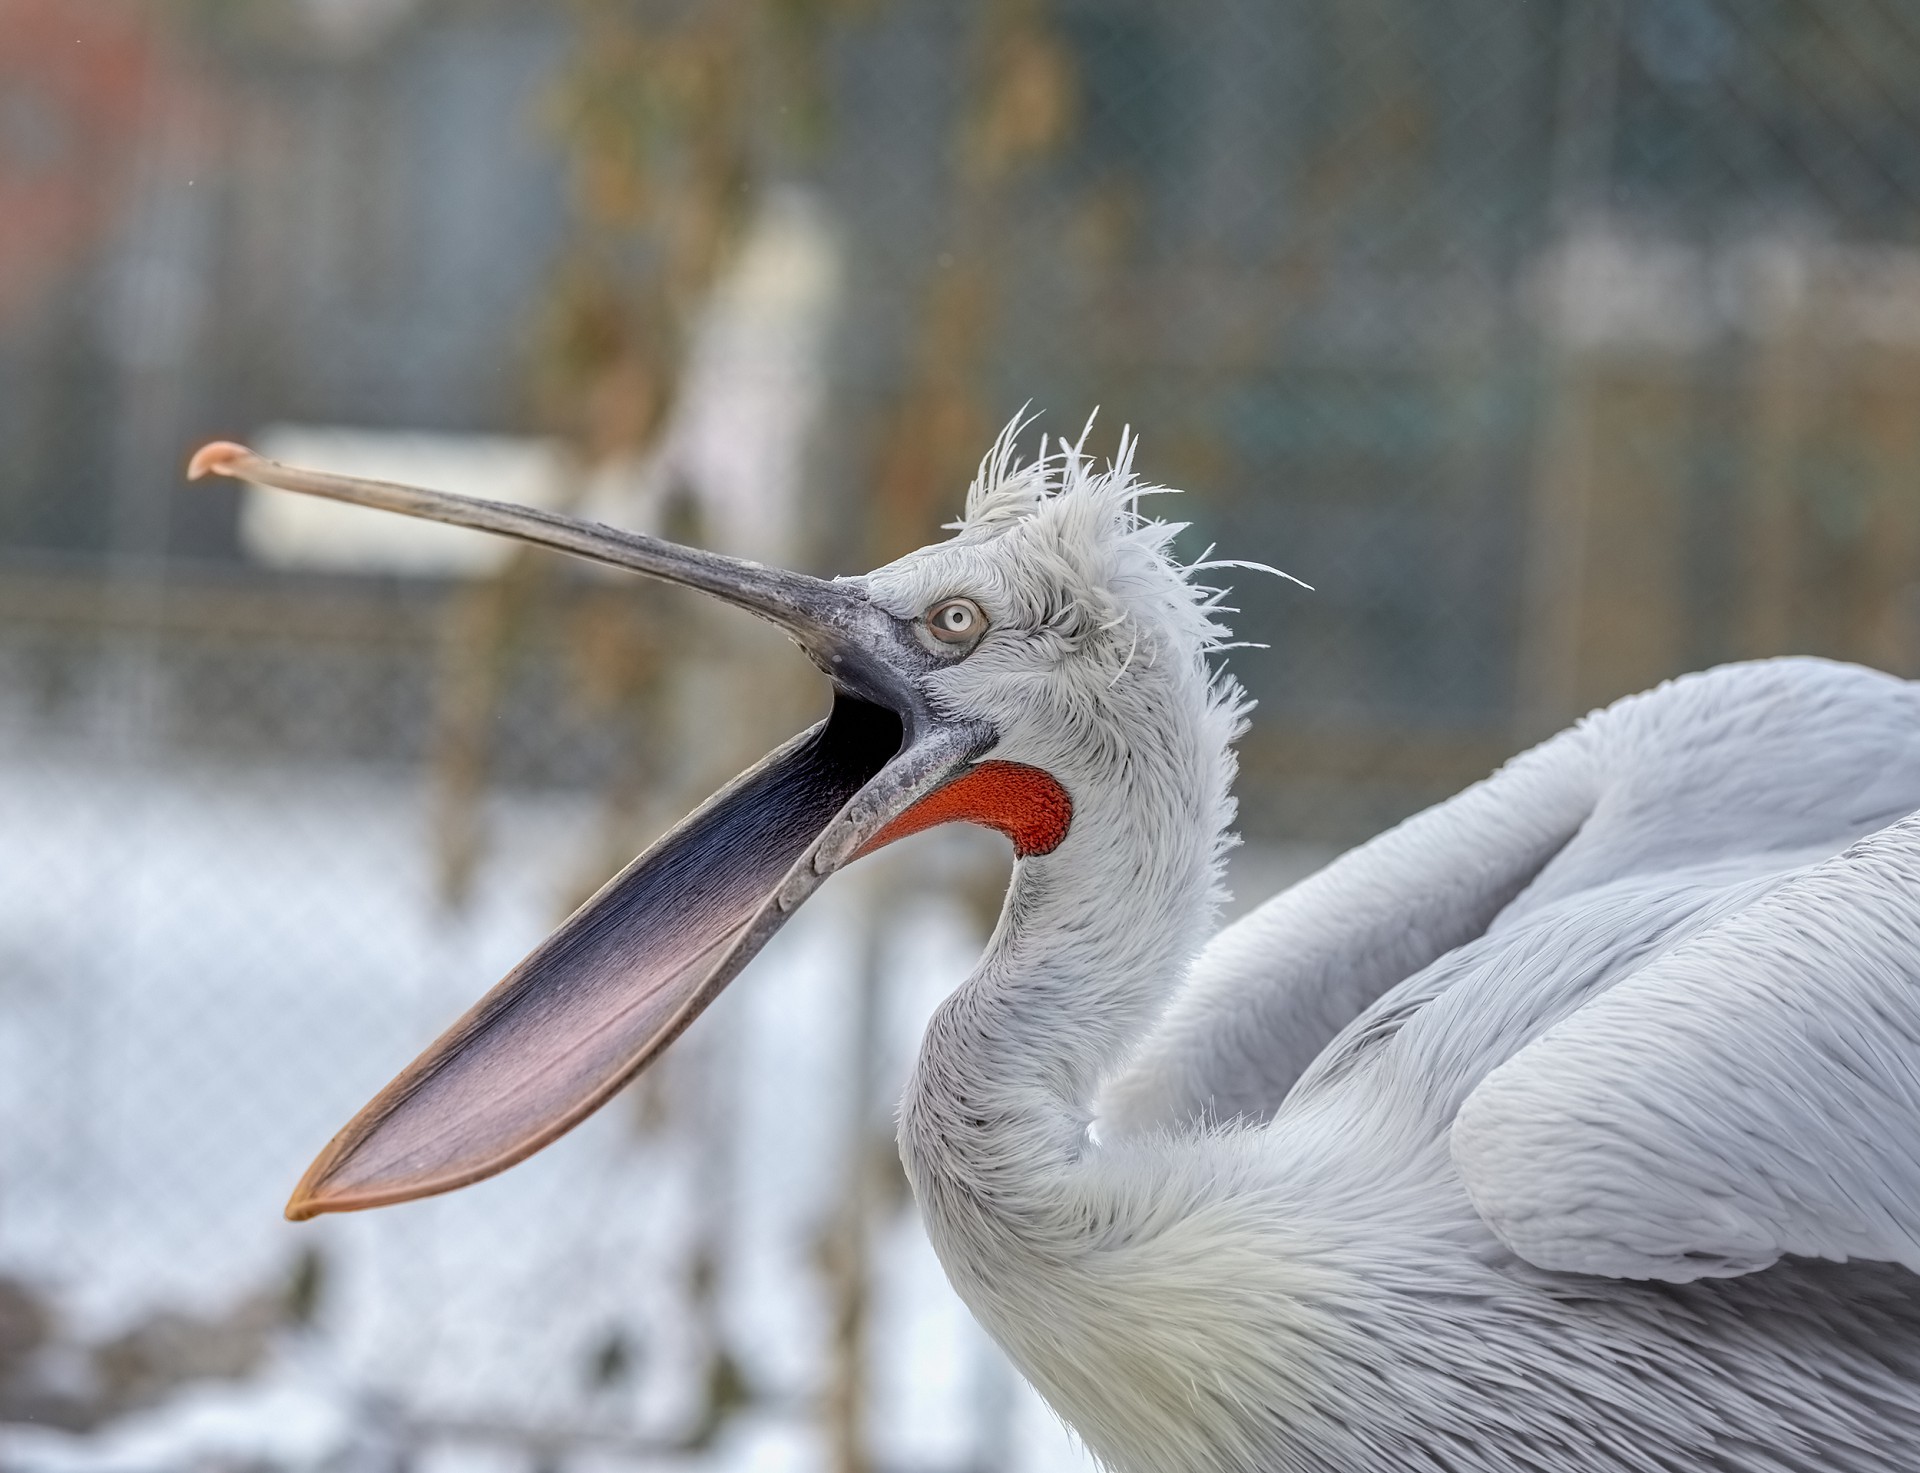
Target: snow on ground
{"type": "Point", "coordinates": [204, 971]}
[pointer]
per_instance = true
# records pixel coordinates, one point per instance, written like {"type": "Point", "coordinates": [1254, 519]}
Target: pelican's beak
{"type": "Point", "coordinates": [596, 1001]}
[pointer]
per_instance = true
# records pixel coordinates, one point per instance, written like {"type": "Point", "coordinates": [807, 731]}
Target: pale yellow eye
{"type": "Point", "coordinates": [956, 621]}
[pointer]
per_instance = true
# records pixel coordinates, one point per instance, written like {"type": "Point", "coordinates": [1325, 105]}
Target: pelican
{"type": "Point", "coordinates": [1573, 1124]}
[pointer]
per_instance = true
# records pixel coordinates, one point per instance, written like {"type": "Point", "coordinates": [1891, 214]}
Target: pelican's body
{"type": "Point", "coordinates": [1573, 1125]}
{"type": "Point", "coordinates": [1310, 1285]}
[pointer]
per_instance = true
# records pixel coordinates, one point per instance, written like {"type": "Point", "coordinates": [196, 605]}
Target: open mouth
{"type": "Point", "coordinates": [624, 975]}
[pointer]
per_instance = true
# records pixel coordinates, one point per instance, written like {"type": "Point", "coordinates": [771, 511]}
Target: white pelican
{"type": "Point", "coordinates": [1573, 1124]}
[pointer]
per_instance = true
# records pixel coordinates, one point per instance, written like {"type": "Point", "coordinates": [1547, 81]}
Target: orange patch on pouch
{"type": "Point", "coordinates": [1027, 805]}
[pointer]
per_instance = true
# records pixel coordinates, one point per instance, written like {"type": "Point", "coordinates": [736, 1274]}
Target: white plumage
{"type": "Point", "coordinates": [1571, 1124]}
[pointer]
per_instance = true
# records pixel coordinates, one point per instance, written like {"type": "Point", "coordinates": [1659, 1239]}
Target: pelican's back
{"type": "Point", "coordinates": [1734, 765]}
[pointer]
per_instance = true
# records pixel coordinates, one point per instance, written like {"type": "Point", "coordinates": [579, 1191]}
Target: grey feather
{"type": "Point", "coordinates": [1571, 1126]}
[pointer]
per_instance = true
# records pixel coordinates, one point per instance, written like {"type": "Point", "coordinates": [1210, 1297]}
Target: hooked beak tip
{"type": "Point", "coordinates": [312, 1199]}
{"type": "Point", "coordinates": [217, 457]}
{"type": "Point", "coordinates": [301, 1206]}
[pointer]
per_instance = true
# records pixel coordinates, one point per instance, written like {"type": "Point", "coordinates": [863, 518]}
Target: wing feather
{"type": "Point", "coordinates": [1270, 991]}
{"type": "Point", "coordinates": [1742, 761]}
{"type": "Point", "coordinates": [1753, 1093]}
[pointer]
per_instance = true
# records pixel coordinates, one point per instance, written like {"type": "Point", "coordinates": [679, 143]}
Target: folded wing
{"type": "Point", "coordinates": [1769, 756]}
{"type": "Point", "coordinates": [1269, 992]}
{"type": "Point", "coordinates": [1752, 1094]}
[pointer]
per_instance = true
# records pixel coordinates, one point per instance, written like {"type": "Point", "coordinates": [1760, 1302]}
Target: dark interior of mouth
{"type": "Point", "coordinates": [610, 988]}
{"type": "Point", "coordinates": [861, 738]}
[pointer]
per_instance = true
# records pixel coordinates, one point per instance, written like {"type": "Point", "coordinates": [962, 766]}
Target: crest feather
{"type": "Point", "coordinates": [1114, 565]}
{"type": "Point", "coordinates": [1116, 592]}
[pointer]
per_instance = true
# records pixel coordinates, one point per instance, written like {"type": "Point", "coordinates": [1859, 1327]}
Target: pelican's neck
{"type": "Point", "coordinates": [1091, 940]}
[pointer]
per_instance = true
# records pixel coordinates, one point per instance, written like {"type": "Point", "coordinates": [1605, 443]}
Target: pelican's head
{"type": "Point", "coordinates": [1062, 624]}
{"type": "Point", "coordinates": [1046, 664]}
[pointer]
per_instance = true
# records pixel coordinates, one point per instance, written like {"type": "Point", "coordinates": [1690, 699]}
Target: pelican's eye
{"type": "Point", "coordinates": [955, 622]}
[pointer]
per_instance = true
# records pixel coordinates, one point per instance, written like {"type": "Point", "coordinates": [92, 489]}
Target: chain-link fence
{"type": "Point", "coordinates": [1561, 347]}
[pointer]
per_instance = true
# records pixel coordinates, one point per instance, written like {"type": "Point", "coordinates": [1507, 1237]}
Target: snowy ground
{"type": "Point", "coordinates": [204, 972]}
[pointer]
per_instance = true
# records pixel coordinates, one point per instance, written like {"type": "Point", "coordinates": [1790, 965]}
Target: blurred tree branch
{"type": "Point", "coordinates": [670, 119]}
{"type": "Point", "coordinates": [1020, 110]}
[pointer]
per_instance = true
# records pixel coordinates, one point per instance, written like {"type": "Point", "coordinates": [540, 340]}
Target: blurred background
{"type": "Point", "coordinates": [1562, 345]}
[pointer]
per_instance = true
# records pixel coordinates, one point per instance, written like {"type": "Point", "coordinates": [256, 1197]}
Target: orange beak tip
{"type": "Point", "coordinates": [302, 1205]}
{"type": "Point", "coordinates": [310, 1199]}
{"type": "Point", "coordinates": [217, 457]}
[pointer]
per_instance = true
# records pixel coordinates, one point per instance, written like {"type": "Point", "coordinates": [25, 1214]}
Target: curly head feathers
{"type": "Point", "coordinates": [1094, 564]}
{"type": "Point", "coordinates": [1096, 666]}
